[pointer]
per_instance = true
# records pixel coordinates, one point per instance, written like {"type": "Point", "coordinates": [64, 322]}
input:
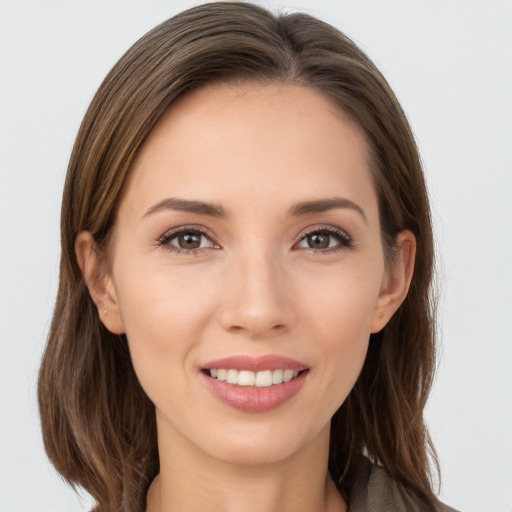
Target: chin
{"type": "Point", "coordinates": [254, 453]}
{"type": "Point", "coordinates": [261, 445]}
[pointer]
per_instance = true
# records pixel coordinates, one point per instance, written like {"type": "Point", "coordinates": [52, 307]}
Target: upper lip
{"type": "Point", "coordinates": [256, 364]}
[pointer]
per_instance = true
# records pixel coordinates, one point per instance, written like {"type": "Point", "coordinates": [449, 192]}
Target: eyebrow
{"type": "Point", "coordinates": [324, 205]}
{"type": "Point", "coordinates": [214, 210]}
{"type": "Point", "coordinates": [185, 205]}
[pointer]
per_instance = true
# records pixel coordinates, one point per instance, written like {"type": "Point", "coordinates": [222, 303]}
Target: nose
{"type": "Point", "coordinates": [258, 297]}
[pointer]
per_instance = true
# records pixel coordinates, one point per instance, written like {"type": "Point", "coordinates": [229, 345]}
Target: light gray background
{"type": "Point", "coordinates": [450, 63]}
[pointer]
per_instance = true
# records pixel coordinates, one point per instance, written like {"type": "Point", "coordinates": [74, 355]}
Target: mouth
{"type": "Point", "coordinates": [254, 384]}
{"type": "Point", "coordinates": [259, 379]}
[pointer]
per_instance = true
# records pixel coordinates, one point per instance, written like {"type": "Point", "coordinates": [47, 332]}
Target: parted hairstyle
{"type": "Point", "coordinates": [98, 425]}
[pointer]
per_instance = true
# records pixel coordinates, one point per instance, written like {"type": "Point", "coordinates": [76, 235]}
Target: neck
{"type": "Point", "coordinates": [191, 481]}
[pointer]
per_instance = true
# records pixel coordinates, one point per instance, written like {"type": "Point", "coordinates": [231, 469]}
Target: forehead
{"type": "Point", "coordinates": [251, 143]}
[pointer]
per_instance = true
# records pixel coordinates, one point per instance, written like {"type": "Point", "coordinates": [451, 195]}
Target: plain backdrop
{"type": "Point", "coordinates": [450, 64]}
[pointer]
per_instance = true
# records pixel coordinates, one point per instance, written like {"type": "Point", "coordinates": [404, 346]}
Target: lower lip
{"type": "Point", "coordinates": [254, 399]}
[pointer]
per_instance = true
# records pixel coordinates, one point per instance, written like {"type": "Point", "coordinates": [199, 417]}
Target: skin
{"type": "Point", "coordinates": [257, 285]}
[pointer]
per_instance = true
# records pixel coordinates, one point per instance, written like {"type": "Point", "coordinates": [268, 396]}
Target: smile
{"type": "Point", "coordinates": [254, 384]}
{"type": "Point", "coordinates": [260, 379]}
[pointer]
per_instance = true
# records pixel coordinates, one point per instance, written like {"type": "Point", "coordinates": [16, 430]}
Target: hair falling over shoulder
{"type": "Point", "coordinates": [98, 424]}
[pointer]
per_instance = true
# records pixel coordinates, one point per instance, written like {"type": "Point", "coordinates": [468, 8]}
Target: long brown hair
{"type": "Point", "coordinates": [98, 425]}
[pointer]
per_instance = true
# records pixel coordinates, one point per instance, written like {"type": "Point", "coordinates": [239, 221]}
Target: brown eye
{"type": "Point", "coordinates": [325, 240]}
{"type": "Point", "coordinates": [186, 240]}
{"type": "Point", "coordinates": [189, 241]}
{"type": "Point", "coordinates": [318, 240]}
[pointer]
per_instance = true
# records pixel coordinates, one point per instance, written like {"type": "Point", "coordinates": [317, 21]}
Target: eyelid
{"type": "Point", "coordinates": [344, 239]}
{"type": "Point", "coordinates": [164, 239]}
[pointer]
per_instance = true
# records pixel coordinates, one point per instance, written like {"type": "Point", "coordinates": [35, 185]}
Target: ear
{"type": "Point", "coordinates": [99, 282]}
{"type": "Point", "coordinates": [396, 281]}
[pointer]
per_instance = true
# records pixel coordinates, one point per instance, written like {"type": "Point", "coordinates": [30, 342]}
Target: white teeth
{"type": "Point", "coordinates": [232, 376]}
{"type": "Point", "coordinates": [277, 376]}
{"type": "Point", "coordinates": [261, 379]}
{"type": "Point", "coordinates": [246, 378]}
{"type": "Point", "coordinates": [287, 375]}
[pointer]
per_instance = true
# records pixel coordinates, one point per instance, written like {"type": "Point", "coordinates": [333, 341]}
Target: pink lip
{"type": "Point", "coordinates": [256, 364]}
{"type": "Point", "coordinates": [254, 399]}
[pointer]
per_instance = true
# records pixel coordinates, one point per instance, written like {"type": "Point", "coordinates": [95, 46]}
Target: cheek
{"type": "Point", "coordinates": [154, 297]}
{"type": "Point", "coordinates": [341, 301]}
{"type": "Point", "coordinates": [339, 321]}
{"type": "Point", "coordinates": [163, 313]}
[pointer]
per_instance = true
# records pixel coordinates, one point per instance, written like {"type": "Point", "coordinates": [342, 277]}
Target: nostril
{"type": "Point", "coordinates": [256, 318]}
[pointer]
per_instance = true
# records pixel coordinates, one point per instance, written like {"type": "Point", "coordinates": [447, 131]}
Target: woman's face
{"type": "Point", "coordinates": [247, 247]}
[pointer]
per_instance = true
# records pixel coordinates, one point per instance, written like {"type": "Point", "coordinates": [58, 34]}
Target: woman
{"type": "Point", "coordinates": [244, 302]}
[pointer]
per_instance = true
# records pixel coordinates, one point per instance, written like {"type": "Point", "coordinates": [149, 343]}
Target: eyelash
{"type": "Point", "coordinates": [343, 239]}
{"type": "Point", "coordinates": [164, 240]}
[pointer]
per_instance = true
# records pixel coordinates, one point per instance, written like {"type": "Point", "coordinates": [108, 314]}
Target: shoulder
{"type": "Point", "coordinates": [375, 490]}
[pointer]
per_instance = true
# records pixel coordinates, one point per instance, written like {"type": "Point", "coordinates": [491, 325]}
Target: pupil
{"type": "Point", "coordinates": [189, 241]}
{"type": "Point", "coordinates": [318, 241]}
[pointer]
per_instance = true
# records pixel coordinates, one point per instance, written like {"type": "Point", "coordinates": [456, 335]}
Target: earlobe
{"type": "Point", "coordinates": [99, 282]}
{"type": "Point", "coordinates": [396, 281]}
